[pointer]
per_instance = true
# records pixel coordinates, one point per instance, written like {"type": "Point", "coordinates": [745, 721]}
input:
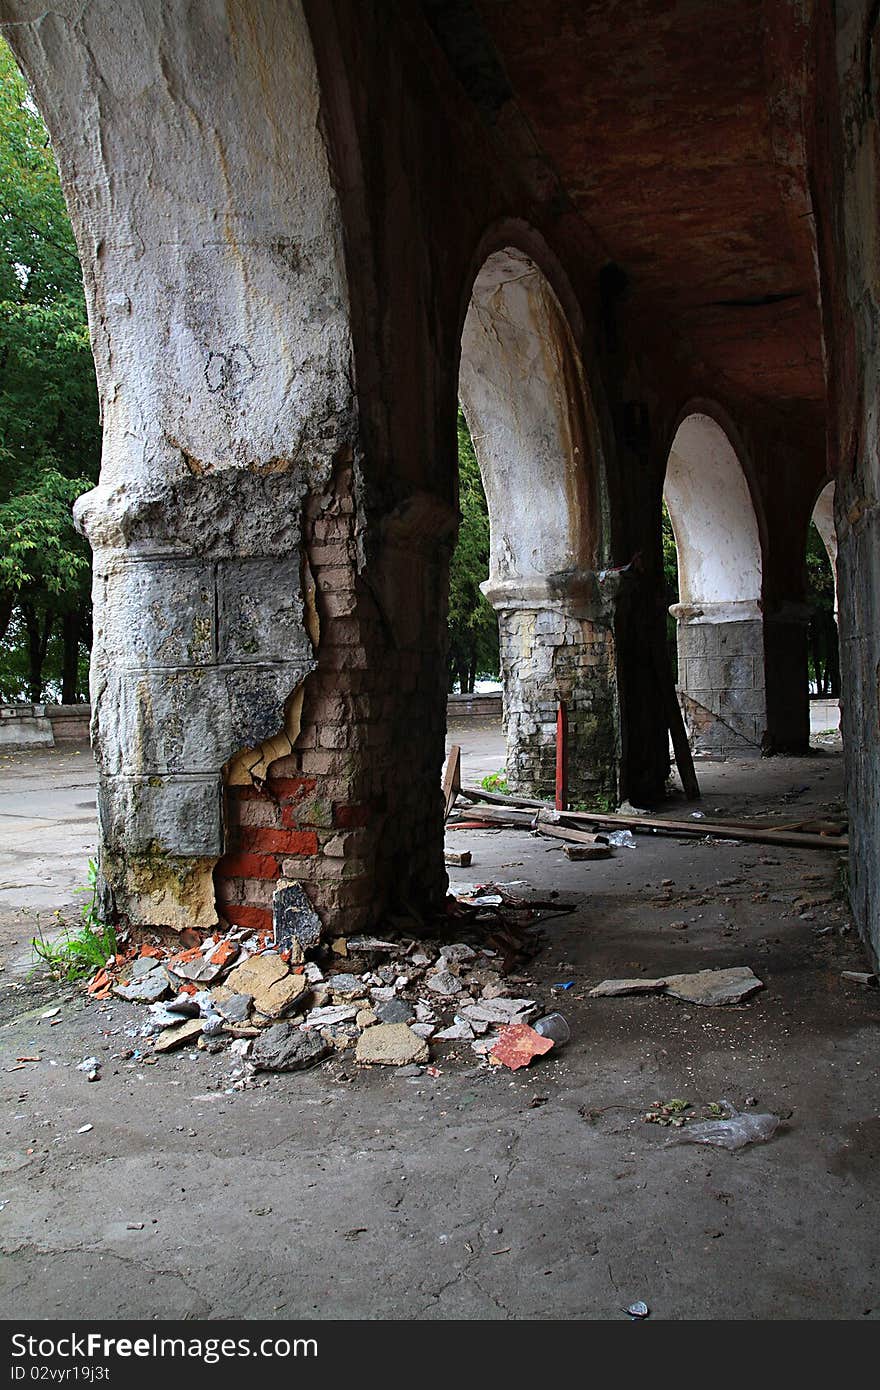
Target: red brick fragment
{"type": "Point", "coordinates": [518, 1045]}
{"type": "Point", "coordinates": [224, 953]}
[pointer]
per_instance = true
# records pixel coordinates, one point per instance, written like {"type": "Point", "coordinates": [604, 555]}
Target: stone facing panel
{"type": "Point", "coordinates": [721, 686]}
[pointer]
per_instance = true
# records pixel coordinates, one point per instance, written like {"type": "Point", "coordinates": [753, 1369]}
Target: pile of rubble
{"type": "Point", "coordinates": [287, 1002]}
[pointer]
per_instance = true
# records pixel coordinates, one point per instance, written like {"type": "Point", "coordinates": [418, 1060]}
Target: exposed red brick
{"type": "Point", "coordinates": [248, 866]}
{"type": "Point", "coordinates": [243, 915]}
{"type": "Point", "coordinates": [288, 789]}
{"type": "Point", "coordinates": [263, 840]}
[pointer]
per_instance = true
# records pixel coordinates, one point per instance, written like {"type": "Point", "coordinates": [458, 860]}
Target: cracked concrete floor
{"type": "Point", "coordinates": [348, 1193]}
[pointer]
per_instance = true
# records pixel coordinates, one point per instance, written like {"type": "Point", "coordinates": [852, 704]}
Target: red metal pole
{"type": "Point", "coordinates": [561, 758]}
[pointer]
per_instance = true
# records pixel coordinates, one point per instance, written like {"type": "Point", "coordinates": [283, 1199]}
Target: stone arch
{"type": "Point", "coordinates": [719, 614]}
{"type": "Point", "coordinates": [823, 520]}
{"type": "Point", "coordinates": [523, 392]}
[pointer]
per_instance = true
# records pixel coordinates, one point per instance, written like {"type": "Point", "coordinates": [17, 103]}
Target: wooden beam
{"type": "Point", "coordinates": [451, 779]}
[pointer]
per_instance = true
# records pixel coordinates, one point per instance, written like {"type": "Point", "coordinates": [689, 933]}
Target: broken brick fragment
{"type": "Point", "coordinates": [518, 1045]}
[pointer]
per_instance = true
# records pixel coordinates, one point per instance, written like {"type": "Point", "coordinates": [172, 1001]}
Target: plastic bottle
{"type": "Point", "coordinates": [553, 1026]}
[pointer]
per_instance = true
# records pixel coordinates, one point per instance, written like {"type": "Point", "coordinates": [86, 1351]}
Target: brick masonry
{"type": "Point", "coordinates": [548, 656]}
{"type": "Point", "coordinates": [371, 734]}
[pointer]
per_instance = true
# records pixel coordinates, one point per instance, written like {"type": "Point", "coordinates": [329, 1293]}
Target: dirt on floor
{"type": "Point", "coordinates": [362, 1192]}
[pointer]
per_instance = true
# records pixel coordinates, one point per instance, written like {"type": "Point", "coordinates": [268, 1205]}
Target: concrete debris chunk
{"type": "Point", "coordinates": [184, 1006]}
{"type": "Point", "coordinates": [611, 989]}
{"type": "Point", "coordinates": [860, 977]}
{"type": "Point", "coordinates": [333, 1014]}
{"type": "Point", "coordinates": [423, 1030]}
{"type": "Point", "coordinates": [714, 987]}
{"type": "Point", "coordinates": [391, 1045]}
{"type": "Point", "coordinates": [235, 1009]}
{"type": "Point", "coordinates": [201, 971]}
{"type": "Point", "coordinates": [460, 1031]}
{"type": "Point", "coordinates": [144, 965]}
{"type": "Point", "coordinates": [395, 1011]}
{"type": "Point", "coordinates": [458, 952]}
{"type": "Point", "coordinates": [285, 1048]}
{"type": "Point", "coordinates": [267, 980]}
{"type": "Point", "coordinates": [161, 1016]}
{"type": "Point", "coordinates": [146, 990]}
{"type": "Point", "coordinates": [187, 1032]}
{"type": "Point", "coordinates": [373, 943]}
{"type": "Point", "coordinates": [504, 1011]}
{"type": "Point", "coordinates": [346, 984]}
{"type": "Point", "coordinates": [445, 983]}
{"type": "Point", "coordinates": [295, 923]}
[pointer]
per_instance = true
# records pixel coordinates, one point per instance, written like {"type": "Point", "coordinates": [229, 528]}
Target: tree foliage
{"type": "Point", "coordinates": [50, 433]}
{"type": "Point", "coordinates": [473, 627]}
{"type": "Point", "coordinates": [824, 662]}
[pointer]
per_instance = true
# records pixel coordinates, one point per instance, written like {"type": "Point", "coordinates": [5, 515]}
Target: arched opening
{"type": "Point", "coordinates": [824, 657]}
{"type": "Point", "coordinates": [522, 391]}
{"type": "Point", "coordinates": [719, 628]}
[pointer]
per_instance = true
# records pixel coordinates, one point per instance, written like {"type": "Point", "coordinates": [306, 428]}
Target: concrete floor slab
{"type": "Point", "coordinates": [477, 1193]}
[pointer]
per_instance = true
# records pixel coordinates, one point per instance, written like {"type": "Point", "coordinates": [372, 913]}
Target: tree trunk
{"type": "Point", "coordinates": [70, 627]}
{"type": "Point", "coordinates": [37, 642]}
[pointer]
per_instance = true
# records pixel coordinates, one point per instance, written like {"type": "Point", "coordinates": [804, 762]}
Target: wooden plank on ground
{"type": "Point", "coordinates": [728, 830]}
{"type": "Point", "coordinates": [451, 779]}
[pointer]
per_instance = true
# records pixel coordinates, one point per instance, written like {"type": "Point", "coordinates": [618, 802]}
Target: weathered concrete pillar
{"type": "Point", "coordinates": [557, 647]}
{"type": "Point", "coordinates": [721, 677]}
{"type": "Point", "coordinates": [848, 201]}
{"type": "Point", "coordinates": [263, 631]}
{"type": "Point", "coordinates": [786, 626]}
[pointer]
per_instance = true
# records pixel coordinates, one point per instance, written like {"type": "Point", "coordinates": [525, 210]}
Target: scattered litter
{"type": "Point", "coordinates": [621, 839]}
{"type": "Point", "coordinates": [51, 1013]}
{"type": "Point", "coordinates": [639, 1310]}
{"type": "Point", "coordinates": [735, 1132]}
{"type": "Point", "coordinates": [84, 1129]}
{"type": "Point", "coordinates": [564, 984]}
{"type": "Point", "coordinates": [457, 859]}
{"type": "Point", "coordinates": [553, 1026]}
{"type": "Point", "coordinates": [668, 1113]}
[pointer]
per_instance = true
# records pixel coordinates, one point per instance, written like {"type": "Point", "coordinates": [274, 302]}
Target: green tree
{"type": "Point", "coordinates": [50, 434]}
{"type": "Point", "coordinates": [824, 660]}
{"type": "Point", "coordinates": [670, 576]}
{"type": "Point", "coordinates": [473, 627]}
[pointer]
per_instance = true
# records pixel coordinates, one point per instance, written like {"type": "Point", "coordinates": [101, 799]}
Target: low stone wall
{"type": "Point", "coordinates": [26, 727]}
{"type": "Point", "coordinates": [473, 706]}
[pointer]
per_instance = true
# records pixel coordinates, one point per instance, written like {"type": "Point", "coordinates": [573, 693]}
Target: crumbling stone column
{"type": "Point", "coordinates": [263, 632]}
{"type": "Point", "coordinates": [557, 647]}
{"type": "Point", "coordinates": [721, 684]}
